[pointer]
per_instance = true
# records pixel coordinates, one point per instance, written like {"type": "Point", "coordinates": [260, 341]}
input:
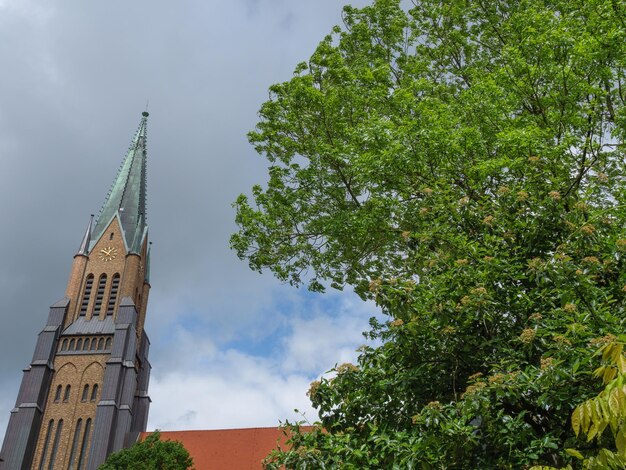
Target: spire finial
{"type": "Point", "coordinates": [145, 113]}
{"type": "Point", "coordinates": [84, 245]}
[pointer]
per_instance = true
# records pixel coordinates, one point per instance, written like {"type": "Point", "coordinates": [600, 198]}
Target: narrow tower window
{"type": "Point", "coordinates": [79, 426]}
{"type": "Point", "coordinates": [85, 393]}
{"type": "Point", "coordinates": [107, 345]}
{"type": "Point", "coordinates": [111, 236]}
{"type": "Point", "coordinates": [57, 395]}
{"type": "Point", "coordinates": [115, 284]}
{"type": "Point", "coordinates": [94, 392]}
{"type": "Point", "coordinates": [94, 344]}
{"type": "Point", "coordinates": [64, 345]}
{"type": "Point", "coordinates": [55, 446]}
{"type": "Point", "coordinates": [100, 295]}
{"type": "Point", "coordinates": [100, 344]}
{"type": "Point", "coordinates": [79, 344]}
{"type": "Point", "coordinates": [86, 344]}
{"type": "Point", "coordinates": [66, 396]}
{"type": "Point", "coordinates": [72, 344]}
{"type": "Point", "coordinates": [86, 295]}
{"type": "Point", "coordinates": [42, 464]}
{"type": "Point", "coordinates": [83, 447]}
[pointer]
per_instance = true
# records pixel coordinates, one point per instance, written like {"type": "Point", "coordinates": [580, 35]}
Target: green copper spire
{"type": "Point", "coordinates": [127, 197]}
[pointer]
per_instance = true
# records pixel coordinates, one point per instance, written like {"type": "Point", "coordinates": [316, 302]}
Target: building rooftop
{"type": "Point", "coordinates": [233, 449]}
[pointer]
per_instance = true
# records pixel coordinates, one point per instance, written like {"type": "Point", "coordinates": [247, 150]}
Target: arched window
{"type": "Point", "coordinates": [101, 344]}
{"type": "Point", "coordinates": [72, 344]}
{"type": "Point", "coordinates": [83, 447]}
{"type": "Point", "coordinates": [46, 443]}
{"type": "Point", "coordinates": [94, 392]}
{"type": "Point", "coordinates": [55, 446]}
{"type": "Point", "coordinates": [86, 295]}
{"type": "Point", "coordinates": [64, 345]}
{"type": "Point", "coordinates": [79, 426]}
{"type": "Point", "coordinates": [66, 395]}
{"type": "Point", "coordinates": [107, 344]}
{"type": "Point", "coordinates": [79, 344]}
{"type": "Point", "coordinates": [115, 285]}
{"type": "Point", "coordinates": [57, 395]}
{"type": "Point", "coordinates": [100, 294]}
{"type": "Point", "coordinates": [94, 344]}
{"type": "Point", "coordinates": [85, 393]}
{"type": "Point", "coordinates": [111, 236]}
{"type": "Point", "coordinates": [86, 344]}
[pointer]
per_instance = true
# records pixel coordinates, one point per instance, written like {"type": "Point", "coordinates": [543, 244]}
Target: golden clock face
{"type": "Point", "coordinates": [107, 254]}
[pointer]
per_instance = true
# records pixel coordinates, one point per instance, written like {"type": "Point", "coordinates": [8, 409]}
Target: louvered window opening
{"type": "Point", "coordinates": [115, 285]}
{"type": "Point", "coordinates": [86, 295]}
{"type": "Point", "coordinates": [100, 294]}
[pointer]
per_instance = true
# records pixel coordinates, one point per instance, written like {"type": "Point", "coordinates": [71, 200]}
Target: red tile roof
{"type": "Point", "coordinates": [227, 449]}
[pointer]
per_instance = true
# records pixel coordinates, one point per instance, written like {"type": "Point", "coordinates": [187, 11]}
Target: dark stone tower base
{"type": "Point", "coordinates": [20, 440]}
{"type": "Point", "coordinates": [116, 412]}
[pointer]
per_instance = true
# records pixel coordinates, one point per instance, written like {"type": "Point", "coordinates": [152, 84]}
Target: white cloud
{"type": "Point", "coordinates": [199, 386]}
{"type": "Point", "coordinates": [329, 338]}
{"type": "Point", "coordinates": [233, 390]}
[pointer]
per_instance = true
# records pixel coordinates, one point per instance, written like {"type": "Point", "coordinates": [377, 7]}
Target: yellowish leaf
{"type": "Point", "coordinates": [620, 443]}
{"type": "Point", "coordinates": [575, 453]}
{"type": "Point", "coordinates": [576, 420]}
{"type": "Point", "coordinates": [609, 374]}
{"type": "Point", "coordinates": [621, 401]}
{"type": "Point", "coordinates": [616, 352]}
{"type": "Point", "coordinates": [586, 417]}
{"type": "Point", "coordinates": [602, 400]}
{"type": "Point", "coordinates": [593, 430]}
{"type": "Point", "coordinates": [601, 421]}
{"type": "Point", "coordinates": [599, 372]}
{"type": "Point", "coordinates": [614, 404]}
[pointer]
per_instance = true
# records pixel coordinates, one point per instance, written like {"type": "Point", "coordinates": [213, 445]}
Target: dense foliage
{"type": "Point", "coordinates": [460, 163]}
{"type": "Point", "coordinates": [150, 454]}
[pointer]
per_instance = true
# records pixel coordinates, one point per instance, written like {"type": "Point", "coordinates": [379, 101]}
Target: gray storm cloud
{"type": "Point", "coordinates": [75, 77]}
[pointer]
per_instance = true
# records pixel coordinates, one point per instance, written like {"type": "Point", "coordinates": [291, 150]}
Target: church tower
{"type": "Point", "coordinates": [85, 393]}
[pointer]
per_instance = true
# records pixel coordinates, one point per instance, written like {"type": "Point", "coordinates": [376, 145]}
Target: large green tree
{"type": "Point", "coordinates": [150, 454]}
{"type": "Point", "coordinates": [460, 163]}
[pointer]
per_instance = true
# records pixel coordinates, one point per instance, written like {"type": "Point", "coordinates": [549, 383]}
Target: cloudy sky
{"type": "Point", "coordinates": [230, 348]}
